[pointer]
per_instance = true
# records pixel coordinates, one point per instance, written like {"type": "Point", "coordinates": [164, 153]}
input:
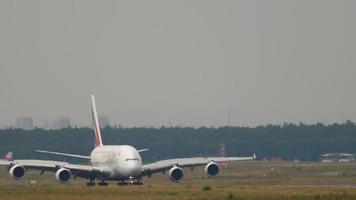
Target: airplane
{"type": "Point", "coordinates": [119, 163]}
{"type": "Point", "coordinates": [8, 156]}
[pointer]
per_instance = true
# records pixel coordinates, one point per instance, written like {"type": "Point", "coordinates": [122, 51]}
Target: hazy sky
{"type": "Point", "coordinates": [152, 63]}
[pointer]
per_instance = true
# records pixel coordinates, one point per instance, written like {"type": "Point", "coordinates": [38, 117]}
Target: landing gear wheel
{"type": "Point", "coordinates": [138, 181]}
{"type": "Point", "coordinates": [122, 183]}
{"type": "Point", "coordinates": [91, 183]}
{"type": "Point", "coordinates": [103, 183]}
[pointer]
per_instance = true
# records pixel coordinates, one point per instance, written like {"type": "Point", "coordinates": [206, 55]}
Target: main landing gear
{"type": "Point", "coordinates": [135, 181]}
{"type": "Point", "coordinates": [103, 183]}
{"type": "Point", "coordinates": [91, 182]}
{"type": "Point", "coordinates": [131, 181]}
{"type": "Point", "coordinates": [122, 182]}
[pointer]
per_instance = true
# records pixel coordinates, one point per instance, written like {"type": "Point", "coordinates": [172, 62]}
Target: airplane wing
{"type": "Point", "coordinates": [5, 162]}
{"type": "Point", "coordinates": [163, 165]}
{"type": "Point", "coordinates": [84, 171]}
{"type": "Point", "coordinates": [63, 154]}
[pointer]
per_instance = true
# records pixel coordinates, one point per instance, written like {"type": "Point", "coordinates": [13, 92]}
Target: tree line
{"type": "Point", "coordinates": [288, 141]}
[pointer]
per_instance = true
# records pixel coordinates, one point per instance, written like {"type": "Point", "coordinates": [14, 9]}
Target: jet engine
{"type": "Point", "coordinates": [175, 174]}
{"type": "Point", "coordinates": [63, 175]}
{"type": "Point", "coordinates": [212, 169]}
{"type": "Point", "coordinates": [17, 171]}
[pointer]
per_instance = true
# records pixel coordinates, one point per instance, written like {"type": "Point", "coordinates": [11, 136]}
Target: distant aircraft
{"type": "Point", "coordinates": [8, 156]}
{"type": "Point", "coordinates": [114, 162]}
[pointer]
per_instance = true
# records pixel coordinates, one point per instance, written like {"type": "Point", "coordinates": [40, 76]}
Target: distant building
{"type": "Point", "coordinates": [103, 121]}
{"type": "Point", "coordinates": [62, 122]}
{"type": "Point", "coordinates": [45, 125]}
{"type": "Point", "coordinates": [25, 123]}
{"type": "Point", "coordinates": [337, 157]}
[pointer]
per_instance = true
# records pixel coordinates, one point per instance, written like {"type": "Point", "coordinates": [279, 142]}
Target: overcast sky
{"type": "Point", "coordinates": [153, 63]}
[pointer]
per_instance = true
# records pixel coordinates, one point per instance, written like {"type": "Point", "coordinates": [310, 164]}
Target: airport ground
{"type": "Point", "coordinates": [250, 180]}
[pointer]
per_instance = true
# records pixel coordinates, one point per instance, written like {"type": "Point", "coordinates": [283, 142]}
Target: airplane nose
{"type": "Point", "coordinates": [135, 169]}
{"type": "Point", "coordinates": [132, 169]}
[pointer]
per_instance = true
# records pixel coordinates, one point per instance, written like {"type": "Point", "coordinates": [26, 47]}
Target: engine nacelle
{"type": "Point", "coordinates": [212, 169]}
{"type": "Point", "coordinates": [17, 171]}
{"type": "Point", "coordinates": [63, 175]}
{"type": "Point", "coordinates": [176, 174]}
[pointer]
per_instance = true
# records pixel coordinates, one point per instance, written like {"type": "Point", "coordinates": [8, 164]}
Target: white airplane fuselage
{"type": "Point", "coordinates": [123, 161]}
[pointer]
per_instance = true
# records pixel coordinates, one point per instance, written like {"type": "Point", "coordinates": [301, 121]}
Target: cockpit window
{"type": "Point", "coordinates": [128, 159]}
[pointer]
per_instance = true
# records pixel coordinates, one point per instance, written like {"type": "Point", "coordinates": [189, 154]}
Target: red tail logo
{"type": "Point", "coordinates": [98, 141]}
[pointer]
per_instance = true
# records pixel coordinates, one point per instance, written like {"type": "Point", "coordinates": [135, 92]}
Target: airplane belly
{"type": "Point", "coordinates": [127, 171]}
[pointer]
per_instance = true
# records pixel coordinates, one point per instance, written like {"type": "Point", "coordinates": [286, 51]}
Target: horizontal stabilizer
{"type": "Point", "coordinates": [64, 154]}
{"type": "Point", "coordinates": [8, 156]}
{"type": "Point", "coordinates": [142, 150]}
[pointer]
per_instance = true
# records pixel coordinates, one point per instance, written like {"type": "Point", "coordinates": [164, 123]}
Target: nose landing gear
{"type": "Point", "coordinates": [131, 181]}
{"type": "Point", "coordinates": [135, 181]}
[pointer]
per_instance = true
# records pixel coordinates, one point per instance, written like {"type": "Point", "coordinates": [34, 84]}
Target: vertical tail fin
{"type": "Point", "coordinates": [98, 141]}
